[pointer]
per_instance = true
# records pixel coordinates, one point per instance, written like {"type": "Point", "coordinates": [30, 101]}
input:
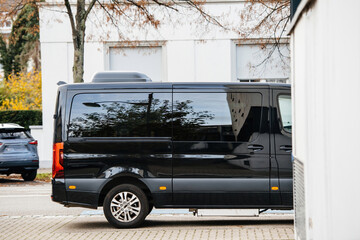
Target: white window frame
{"type": "Point", "coordinates": [135, 44]}
{"type": "Point", "coordinates": [255, 41]}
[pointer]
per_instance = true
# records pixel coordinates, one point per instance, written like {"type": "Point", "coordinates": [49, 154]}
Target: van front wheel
{"type": "Point", "coordinates": [126, 206]}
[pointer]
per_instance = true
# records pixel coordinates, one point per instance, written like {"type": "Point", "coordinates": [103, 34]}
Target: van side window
{"type": "Point", "coordinates": [58, 119]}
{"type": "Point", "coordinates": [121, 115]}
{"type": "Point", "coordinates": [217, 116]}
{"type": "Point", "coordinates": [285, 112]}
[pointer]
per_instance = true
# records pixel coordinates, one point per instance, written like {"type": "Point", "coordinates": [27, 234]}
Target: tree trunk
{"type": "Point", "coordinates": [78, 33]}
{"type": "Point", "coordinates": [78, 68]}
{"type": "Point", "coordinates": [79, 42]}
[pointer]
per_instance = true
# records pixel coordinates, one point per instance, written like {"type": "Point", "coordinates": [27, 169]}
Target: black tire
{"type": "Point", "coordinates": [151, 206]}
{"type": "Point", "coordinates": [29, 175]}
{"type": "Point", "coordinates": [127, 215]}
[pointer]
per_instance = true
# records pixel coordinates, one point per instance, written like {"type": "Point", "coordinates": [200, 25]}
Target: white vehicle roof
{"type": "Point", "coordinates": [10, 125]}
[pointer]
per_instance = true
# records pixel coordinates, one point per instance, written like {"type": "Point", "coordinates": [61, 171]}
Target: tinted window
{"type": "Point", "coordinates": [216, 116]}
{"type": "Point", "coordinates": [58, 119]}
{"type": "Point", "coordinates": [13, 134]}
{"type": "Point", "coordinates": [285, 112]}
{"type": "Point", "coordinates": [121, 115]}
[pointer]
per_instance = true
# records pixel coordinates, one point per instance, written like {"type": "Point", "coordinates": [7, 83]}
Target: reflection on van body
{"type": "Point", "coordinates": [117, 115]}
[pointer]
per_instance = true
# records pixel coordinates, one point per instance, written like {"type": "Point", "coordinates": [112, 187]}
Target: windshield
{"type": "Point", "coordinates": [14, 134]}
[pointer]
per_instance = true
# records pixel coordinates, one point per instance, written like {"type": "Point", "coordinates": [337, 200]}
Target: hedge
{"type": "Point", "coordinates": [24, 118]}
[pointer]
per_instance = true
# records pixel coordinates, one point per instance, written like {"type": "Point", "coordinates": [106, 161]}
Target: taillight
{"type": "Point", "coordinates": [58, 160]}
{"type": "Point", "coordinates": [0, 143]}
{"type": "Point", "coordinates": [33, 142]}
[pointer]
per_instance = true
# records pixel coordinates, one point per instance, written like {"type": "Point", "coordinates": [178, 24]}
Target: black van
{"type": "Point", "coordinates": [130, 147]}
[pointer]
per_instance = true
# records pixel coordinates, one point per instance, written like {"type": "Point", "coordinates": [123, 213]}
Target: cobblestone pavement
{"type": "Point", "coordinates": [156, 227]}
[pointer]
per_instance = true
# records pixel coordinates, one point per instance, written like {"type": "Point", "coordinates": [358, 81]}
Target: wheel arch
{"type": "Point", "coordinates": [124, 180]}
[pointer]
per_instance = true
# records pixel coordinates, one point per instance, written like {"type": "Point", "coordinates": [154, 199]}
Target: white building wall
{"type": "Point", "coordinates": [213, 61]}
{"type": "Point", "coordinates": [54, 58]}
{"type": "Point", "coordinates": [181, 64]}
{"type": "Point", "coordinates": [191, 51]}
{"type": "Point", "coordinates": [147, 60]}
{"type": "Point", "coordinates": [326, 85]}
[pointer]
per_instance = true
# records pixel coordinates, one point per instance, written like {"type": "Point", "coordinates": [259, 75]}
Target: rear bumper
{"type": "Point", "coordinates": [82, 199]}
{"type": "Point", "coordinates": [72, 198]}
{"type": "Point", "coordinates": [58, 191]}
{"type": "Point", "coordinates": [8, 167]}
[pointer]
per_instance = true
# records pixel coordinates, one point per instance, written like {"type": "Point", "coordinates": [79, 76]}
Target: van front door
{"type": "Point", "coordinates": [220, 147]}
{"type": "Point", "coordinates": [282, 147]}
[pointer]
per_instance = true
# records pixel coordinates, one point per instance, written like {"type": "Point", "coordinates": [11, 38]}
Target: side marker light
{"type": "Point", "coordinates": [72, 187]}
{"type": "Point", "coordinates": [274, 188]}
{"type": "Point", "coordinates": [162, 188]}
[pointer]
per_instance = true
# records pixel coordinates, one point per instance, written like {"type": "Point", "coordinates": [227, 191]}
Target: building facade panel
{"type": "Point", "coordinates": [325, 75]}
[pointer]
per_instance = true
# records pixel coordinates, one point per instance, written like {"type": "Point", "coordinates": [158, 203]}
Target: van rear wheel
{"type": "Point", "coordinates": [126, 206]}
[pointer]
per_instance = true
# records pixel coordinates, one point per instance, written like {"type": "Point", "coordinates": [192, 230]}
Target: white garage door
{"type": "Point", "coordinates": [254, 64]}
{"type": "Point", "coordinates": [147, 60]}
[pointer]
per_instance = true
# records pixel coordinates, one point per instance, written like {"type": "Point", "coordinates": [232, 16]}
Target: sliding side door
{"type": "Point", "coordinates": [220, 147]}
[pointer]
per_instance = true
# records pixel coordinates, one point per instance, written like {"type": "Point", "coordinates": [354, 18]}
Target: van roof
{"type": "Point", "coordinates": [169, 85]}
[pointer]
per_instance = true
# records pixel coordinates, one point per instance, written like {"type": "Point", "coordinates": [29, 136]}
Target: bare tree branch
{"type": "Point", "coordinates": [111, 17]}
{"type": "Point", "coordinates": [144, 10]}
{"type": "Point", "coordinates": [71, 18]}
{"type": "Point", "coordinates": [91, 5]}
{"type": "Point", "coordinates": [165, 5]}
{"type": "Point", "coordinates": [206, 16]}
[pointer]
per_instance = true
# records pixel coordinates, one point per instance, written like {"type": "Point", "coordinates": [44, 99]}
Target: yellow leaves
{"type": "Point", "coordinates": [22, 92]}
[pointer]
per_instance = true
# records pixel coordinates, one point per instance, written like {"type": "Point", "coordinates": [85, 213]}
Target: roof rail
{"type": "Point", "coordinates": [119, 76]}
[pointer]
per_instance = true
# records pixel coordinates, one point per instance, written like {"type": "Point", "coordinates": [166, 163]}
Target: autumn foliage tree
{"type": "Point", "coordinates": [22, 45]}
{"type": "Point", "coordinates": [21, 92]}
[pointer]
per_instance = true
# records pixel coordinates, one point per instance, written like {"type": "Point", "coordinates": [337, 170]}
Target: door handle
{"type": "Point", "coordinates": [255, 147]}
{"type": "Point", "coordinates": [286, 148]}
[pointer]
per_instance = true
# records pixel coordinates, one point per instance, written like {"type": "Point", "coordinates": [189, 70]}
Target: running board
{"type": "Point", "coordinates": [226, 212]}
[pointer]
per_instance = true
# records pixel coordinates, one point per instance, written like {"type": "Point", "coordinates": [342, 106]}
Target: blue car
{"type": "Point", "coordinates": [18, 151]}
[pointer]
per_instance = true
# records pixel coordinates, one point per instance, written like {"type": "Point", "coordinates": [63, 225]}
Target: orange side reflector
{"type": "Point", "coordinates": [72, 187]}
{"type": "Point", "coordinates": [274, 188]}
{"type": "Point", "coordinates": [162, 188]}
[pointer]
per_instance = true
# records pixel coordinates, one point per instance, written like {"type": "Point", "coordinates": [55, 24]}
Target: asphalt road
{"type": "Point", "coordinates": [19, 198]}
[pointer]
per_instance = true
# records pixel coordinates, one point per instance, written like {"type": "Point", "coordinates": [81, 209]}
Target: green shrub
{"type": "Point", "coordinates": [46, 177]}
{"type": "Point", "coordinates": [24, 118]}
